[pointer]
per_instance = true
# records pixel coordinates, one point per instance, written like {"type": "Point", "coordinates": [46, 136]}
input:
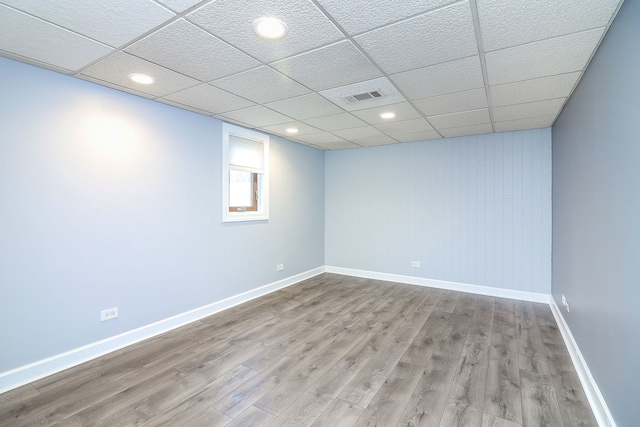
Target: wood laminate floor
{"type": "Point", "coordinates": [329, 351]}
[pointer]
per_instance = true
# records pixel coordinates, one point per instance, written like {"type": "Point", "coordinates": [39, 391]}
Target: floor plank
{"type": "Point", "coordinates": [502, 397]}
{"type": "Point", "coordinates": [489, 420]}
{"type": "Point", "coordinates": [449, 301]}
{"type": "Point", "coordinates": [252, 417]}
{"type": "Point", "coordinates": [198, 408]}
{"type": "Point", "coordinates": [466, 399]}
{"type": "Point", "coordinates": [52, 406]}
{"type": "Point", "coordinates": [308, 407]}
{"type": "Point", "coordinates": [427, 403]}
{"type": "Point", "coordinates": [388, 404]}
{"type": "Point", "coordinates": [539, 404]}
{"type": "Point", "coordinates": [571, 398]}
{"type": "Point", "coordinates": [366, 384]}
{"type": "Point", "coordinates": [531, 351]}
{"type": "Point", "coordinates": [122, 407]}
{"type": "Point", "coordinates": [339, 414]}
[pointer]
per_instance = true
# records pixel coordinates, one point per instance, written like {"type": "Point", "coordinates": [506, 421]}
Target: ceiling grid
{"type": "Point", "coordinates": [446, 68]}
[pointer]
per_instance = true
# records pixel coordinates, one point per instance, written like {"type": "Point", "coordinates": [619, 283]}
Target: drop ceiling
{"type": "Point", "coordinates": [446, 68]}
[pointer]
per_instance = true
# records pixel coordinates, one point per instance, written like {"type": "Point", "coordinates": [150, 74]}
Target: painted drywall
{"type": "Point", "coordinates": [596, 206]}
{"type": "Point", "coordinates": [473, 210]}
{"type": "Point", "coordinates": [111, 200]}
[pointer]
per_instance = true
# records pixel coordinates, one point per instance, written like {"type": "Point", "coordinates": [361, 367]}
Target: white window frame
{"type": "Point", "coordinates": [262, 213]}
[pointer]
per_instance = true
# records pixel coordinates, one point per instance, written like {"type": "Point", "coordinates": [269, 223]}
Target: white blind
{"type": "Point", "coordinates": [246, 152]}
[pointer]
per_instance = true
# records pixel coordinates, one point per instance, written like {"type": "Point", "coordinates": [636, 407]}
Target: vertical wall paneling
{"type": "Point", "coordinates": [472, 209]}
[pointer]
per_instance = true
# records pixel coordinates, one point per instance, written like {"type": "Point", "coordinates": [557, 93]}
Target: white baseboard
{"type": "Point", "coordinates": [596, 400]}
{"type": "Point", "coordinates": [442, 284]}
{"type": "Point", "coordinates": [42, 368]}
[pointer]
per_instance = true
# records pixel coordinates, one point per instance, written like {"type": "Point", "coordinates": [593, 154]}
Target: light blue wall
{"type": "Point", "coordinates": [107, 199]}
{"type": "Point", "coordinates": [596, 215]}
{"type": "Point", "coordinates": [474, 210]}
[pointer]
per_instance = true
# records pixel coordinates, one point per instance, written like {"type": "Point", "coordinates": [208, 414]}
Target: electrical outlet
{"type": "Point", "coordinates": [280, 267]}
{"type": "Point", "coordinates": [415, 263]}
{"type": "Point", "coordinates": [109, 314]}
{"type": "Point", "coordinates": [566, 304]}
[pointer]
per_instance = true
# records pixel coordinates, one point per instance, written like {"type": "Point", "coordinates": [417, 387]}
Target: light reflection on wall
{"type": "Point", "coordinates": [112, 138]}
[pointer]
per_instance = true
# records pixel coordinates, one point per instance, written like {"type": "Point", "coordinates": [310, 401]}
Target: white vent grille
{"type": "Point", "coordinates": [365, 96]}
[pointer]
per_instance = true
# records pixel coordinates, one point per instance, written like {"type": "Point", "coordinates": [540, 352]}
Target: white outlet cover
{"type": "Point", "coordinates": [108, 314]}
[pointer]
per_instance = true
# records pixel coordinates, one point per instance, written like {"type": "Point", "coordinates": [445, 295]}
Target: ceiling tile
{"type": "Point", "coordinates": [185, 48]}
{"type": "Point", "coordinates": [359, 133]}
{"type": "Point", "coordinates": [113, 22]}
{"type": "Point", "coordinates": [183, 106]}
{"type": "Point", "coordinates": [549, 107]}
{"type": "Point", "coordinates": [336, 122]}
{"type": "Point", "coordinates": [435, 37]}
{"type": "Point", "coordinates": [232, 121]}
{"type": "Point", "coordinates": [305, 106]}
{"type": "Point", "coordinates": [559, 86]}
{"type": "Point", "coordinates": [453, 102]}
{"type": "Point", "coordinates": [382, 85]}
{"type": "Point", "coordinates": [307, 144]}
{"type": "Point", "coordinates": [405, 126]}
{"type": "Point", "coordinates": [210, 99]}
{"type": "Point", "coordinates": [417, 136]}
{"type": "Point", "coordinates": [261, 85]}
{"type": "Point", "coordinates": [537, 20]}
{"type": "Point", "coordinates": [357, 16]}
{"type": "Point", "coordinates": [340, 145]}
{"type": "Point", "coordinates": [179, 5]}
{"type": "Point", "coordinates": [35, 62]}
{"type": "Point", "coordinates": [115, 86]}
{"type": "Point", "coordinates": [320, 138]}
{"type": "Point", "coordinates": [522, 124]}
{"type": "Point", "coordinates": [450, 77]}
{"type": "Point", "coordinates": [27, 36]}
{"type": "Point", "coordinates": [117, 67]}
{"type": "Point", "coordinates": [257, 116]}
{"type": "Point", "coordinates": [403, 111]}
{"type": "Point", "coordinates": [559, 55]}
{"type": "Point", "coordinates": [281, 129]}
{"type": "Point", "coordinates": [456, 120]}
{"type": "Point", "coordinates": [370, 142]}
{"type": "Point", "coordinates": [231, 20]}
{"type": "Point", "coordinates": [335, 65]}
{"type": "Point", "coordinates": [467, 130]}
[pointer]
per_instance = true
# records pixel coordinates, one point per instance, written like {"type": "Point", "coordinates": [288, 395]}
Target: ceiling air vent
{"type": "Point", "coordinates": [365, 96]}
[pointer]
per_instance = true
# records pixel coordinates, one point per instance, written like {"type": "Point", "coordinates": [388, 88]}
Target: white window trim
{"type": "Point", "coordinates": [262, 214]}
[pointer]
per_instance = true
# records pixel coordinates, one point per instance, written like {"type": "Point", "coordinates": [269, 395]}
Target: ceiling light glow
{"type": "Point", "coordinates": [291, 130]}
{"type": "Point", "coordinates": [143, 79]}
{"type": "Point", "coordinates": [270, 28]}
{"type": "Point", "coordinates": [388, 115]}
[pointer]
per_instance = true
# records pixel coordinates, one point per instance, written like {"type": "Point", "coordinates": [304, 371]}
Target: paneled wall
{"type": "Point", "coordinates": [473, 210]}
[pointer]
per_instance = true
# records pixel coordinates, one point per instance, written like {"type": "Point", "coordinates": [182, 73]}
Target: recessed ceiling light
{"type": "Point", "coordinates": [270, 28]}
{"type": "Point", "coordinates": [143, 79]}
{"type": "Point", "coordinates": [387, 115]}
{"type": "Point", "coordinates": [291, 130]}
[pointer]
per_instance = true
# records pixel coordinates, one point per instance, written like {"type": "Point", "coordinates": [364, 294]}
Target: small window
{"type": "Point", "coordinates": [245, 176]}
